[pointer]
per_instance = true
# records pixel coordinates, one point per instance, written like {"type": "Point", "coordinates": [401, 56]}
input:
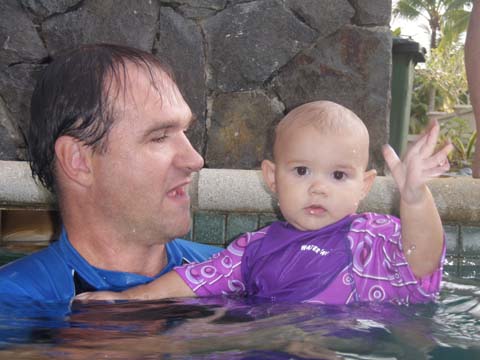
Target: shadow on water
{"type": "Point", "coordinates": [226, 328]}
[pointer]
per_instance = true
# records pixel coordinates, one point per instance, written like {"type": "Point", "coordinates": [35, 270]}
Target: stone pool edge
{"type": "Point", "coordinates": [232, 190]}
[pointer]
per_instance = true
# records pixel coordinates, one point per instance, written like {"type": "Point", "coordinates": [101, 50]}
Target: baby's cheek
{"type": "Point", "coordinates": [350, 207]}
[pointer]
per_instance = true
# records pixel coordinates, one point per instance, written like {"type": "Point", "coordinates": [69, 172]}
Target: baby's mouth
{"type": "Point", "coordinates": [315, 210]}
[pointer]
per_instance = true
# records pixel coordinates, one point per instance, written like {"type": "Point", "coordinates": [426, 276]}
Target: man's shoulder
{"type": "Point", "coordinates": [29, 265]}
{"type": "Point", "coordinates": [191, 251]}
{"type": "Point", "coordinates": [37, 276]}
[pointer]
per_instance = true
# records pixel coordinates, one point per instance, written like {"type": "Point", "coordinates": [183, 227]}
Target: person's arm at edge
{"type": "Point", "coordinates": [472, 66]}
{"type": "Point", "coordinates": [422, 232]}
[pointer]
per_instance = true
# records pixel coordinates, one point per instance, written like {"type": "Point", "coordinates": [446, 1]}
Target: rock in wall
{"type": "Point", "coordinates": [240, 64]}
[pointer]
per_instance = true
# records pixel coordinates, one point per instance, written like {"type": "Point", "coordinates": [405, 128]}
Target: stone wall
{"type": "Point", "coordinates": [241, 64]}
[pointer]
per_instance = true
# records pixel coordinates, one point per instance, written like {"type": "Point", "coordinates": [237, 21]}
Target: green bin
{"type": "Point", "coordinates": [406, 53]}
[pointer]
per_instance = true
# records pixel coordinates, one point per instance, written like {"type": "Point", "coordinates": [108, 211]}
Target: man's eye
{"type": "Point", "coordinates": [339, 175]}
{"type": "Point", "coordinates": [302, 170]}
{"type": "Point", "coordinates": [160, 138]}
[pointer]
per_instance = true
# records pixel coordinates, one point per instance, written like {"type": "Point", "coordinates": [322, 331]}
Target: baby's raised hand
{"type": "Point", "coordinates": [419, 165]}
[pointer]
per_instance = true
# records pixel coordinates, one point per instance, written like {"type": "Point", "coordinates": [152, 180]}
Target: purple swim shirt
{"type": "Point", "coordinates": [356, 259]}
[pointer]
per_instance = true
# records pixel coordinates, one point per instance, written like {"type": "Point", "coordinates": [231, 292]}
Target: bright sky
{"type": "Point", "coordinates": [415, 29]}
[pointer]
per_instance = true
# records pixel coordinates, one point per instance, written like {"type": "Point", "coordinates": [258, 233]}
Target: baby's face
{"type": "Point", "coordinates": [319, 175]}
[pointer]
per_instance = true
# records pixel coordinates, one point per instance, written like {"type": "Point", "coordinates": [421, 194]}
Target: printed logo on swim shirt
{"type": "Point", "coordinates": [315, 249]}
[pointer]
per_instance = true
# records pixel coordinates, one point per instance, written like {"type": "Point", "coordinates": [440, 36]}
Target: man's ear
{"type": "Point", "coordinates": [368, 179]}
{"type": "Point", "coordinates": [268, 172]}
{"type": "Point", "coordinates": [74, 159]}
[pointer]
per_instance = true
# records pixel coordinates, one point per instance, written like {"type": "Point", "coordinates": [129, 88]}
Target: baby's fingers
{"type": "Point", "coordinates": [438, 163]}
{"type": "Point", "coordinates": [426, 141]}
{"type": "Point", "coordinates": [438, 170]}
{"type": "Point", "coordinates": [431, 139]}
{"type": "Point", "coordinates": [393, 162]}
{"type": "Point", "coordinates": [440, 157]}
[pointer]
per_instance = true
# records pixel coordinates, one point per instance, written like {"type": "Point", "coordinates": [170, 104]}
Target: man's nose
{"type": "Point", "coordinates": [188, 157]}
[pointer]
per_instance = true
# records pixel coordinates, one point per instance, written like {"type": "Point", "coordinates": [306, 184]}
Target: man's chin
{"type": "Point", "coordinates": [183, 230]}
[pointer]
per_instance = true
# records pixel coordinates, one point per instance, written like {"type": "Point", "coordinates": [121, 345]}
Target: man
{"type": "Point", "coordinates": [107, 135]}
{"type": "Point", "coordinates": [472, 65]}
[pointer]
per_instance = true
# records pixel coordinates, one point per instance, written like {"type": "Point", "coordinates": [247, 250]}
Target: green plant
{"type": "Point", "coordinates": [462, 154]}
{"type": "Point", "coordinates": [459, 133]}
{"type": "Point", "coordinates": [446, 20]}
{"type": "Point", "coordinates": [445, 72]}
{"type": "Point", "coordinates": [420, 98]}
{"type": "Point", "coordinates": [396, 32]}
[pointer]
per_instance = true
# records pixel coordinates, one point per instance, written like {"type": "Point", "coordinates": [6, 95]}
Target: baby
{"type": "Point", "coordinates": [325, 252]}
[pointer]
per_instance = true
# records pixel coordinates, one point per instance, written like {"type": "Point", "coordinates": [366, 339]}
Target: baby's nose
{"type": "Point", "coordinates": [318, 188]}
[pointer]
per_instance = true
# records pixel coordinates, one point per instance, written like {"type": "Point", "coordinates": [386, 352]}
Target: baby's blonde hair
{"type": "Point", "coordinates": [326, 116]}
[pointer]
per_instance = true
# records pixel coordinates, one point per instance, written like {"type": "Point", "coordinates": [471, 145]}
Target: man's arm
{"type": "Point", "coordinates": [422, 232]}
{"type": "Point", "coordinates": [167, 286]}
{"type": "Point", "coordinates": [472, 65]}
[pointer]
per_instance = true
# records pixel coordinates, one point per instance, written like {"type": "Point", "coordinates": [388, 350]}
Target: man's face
{"type": "Point", "coordinates": [140, 182]}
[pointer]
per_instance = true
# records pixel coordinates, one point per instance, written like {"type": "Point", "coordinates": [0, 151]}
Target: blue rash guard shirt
{"type": "Point", "coordinates": [59, 272]}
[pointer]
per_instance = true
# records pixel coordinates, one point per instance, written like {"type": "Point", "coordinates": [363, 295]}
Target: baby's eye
{"type": "Point", "coordinates": [302, 170]}
{"type": "Point", "coordinates": [339, 175]}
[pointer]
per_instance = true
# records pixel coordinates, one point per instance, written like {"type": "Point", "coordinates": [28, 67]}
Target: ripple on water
{"type": "Point", "coordinates": [223, 328]}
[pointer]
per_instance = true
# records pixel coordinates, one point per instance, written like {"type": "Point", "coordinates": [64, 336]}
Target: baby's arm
{"type": "Point", "coordinates": [166, 286]}
{"type": "Point", "coordinates": [219, 275]}
{"type": "Point", "coordinates": [422, 232]}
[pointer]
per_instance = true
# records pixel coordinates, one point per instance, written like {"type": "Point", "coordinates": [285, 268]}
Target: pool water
{"type": "Point", "coordinates": [226, 328]}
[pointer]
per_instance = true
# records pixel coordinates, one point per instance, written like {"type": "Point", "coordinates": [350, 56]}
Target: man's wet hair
{"type": "Point", "coordinates": [76, 95]}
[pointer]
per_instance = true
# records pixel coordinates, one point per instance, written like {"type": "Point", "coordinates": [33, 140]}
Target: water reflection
{"type": "Point", "coordinates": [221, 328]}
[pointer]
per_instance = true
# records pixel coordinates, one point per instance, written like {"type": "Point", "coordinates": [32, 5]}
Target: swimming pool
{"type": "Point", "coordinates": [221, 328]}
{"type": "Point", "coordinates": [226, 328]}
